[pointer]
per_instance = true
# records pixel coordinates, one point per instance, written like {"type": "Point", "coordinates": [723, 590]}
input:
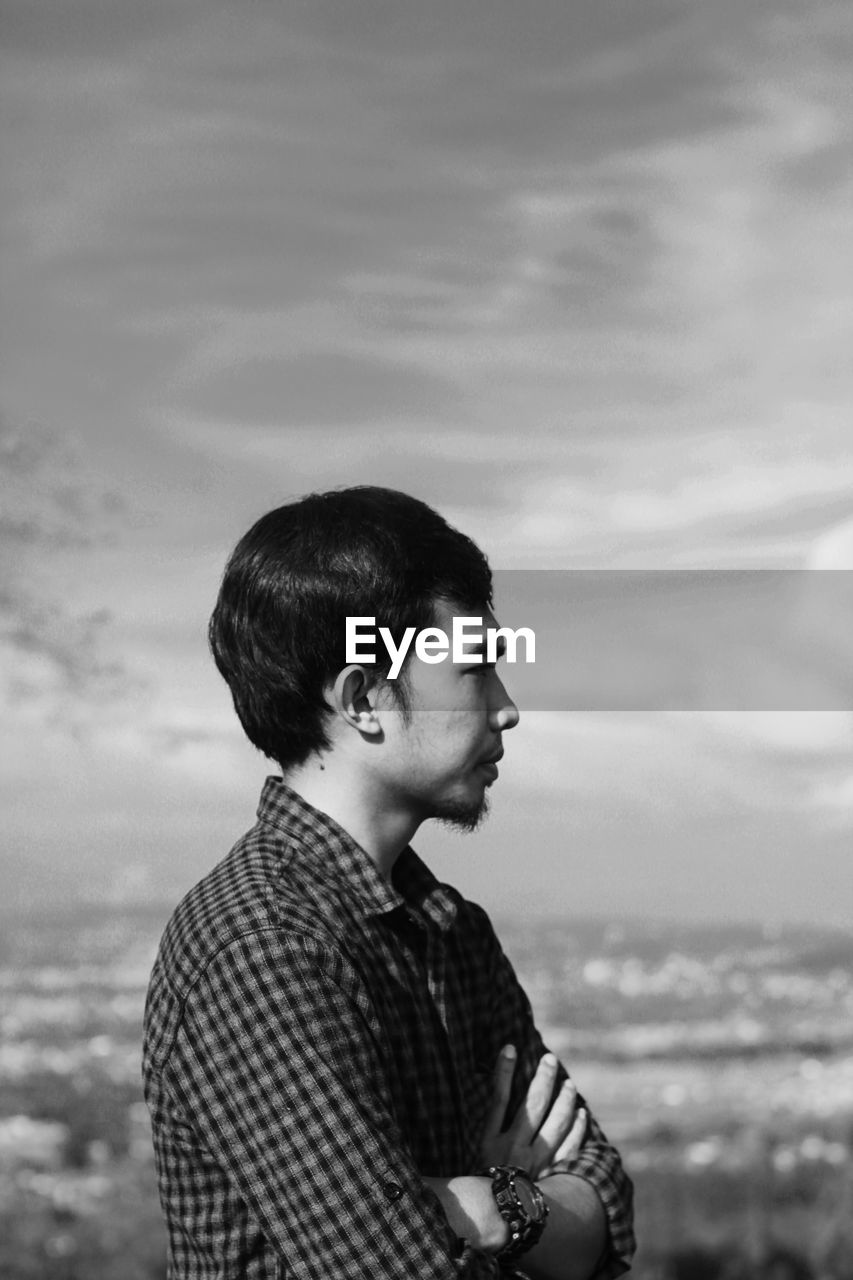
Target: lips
{"type": "Point", "coordinates": [490, 764]}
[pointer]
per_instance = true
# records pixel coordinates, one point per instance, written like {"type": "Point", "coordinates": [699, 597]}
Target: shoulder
{"type": "Point", "coordinates": [232, 900]}
{"type": "Point", "coordinates": [244, 940]}
{"type": "Point", "coordinates": [246, 909]}
{"type": "Point", "coordinates": [473, 925]}
{"type": "Point", "coordinates": [474, 918]}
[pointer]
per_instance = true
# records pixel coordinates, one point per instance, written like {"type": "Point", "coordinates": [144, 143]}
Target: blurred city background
{"type": "Point", "coordinates": [580, 276]}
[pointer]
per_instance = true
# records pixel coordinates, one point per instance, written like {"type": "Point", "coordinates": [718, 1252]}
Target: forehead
{"type": "Point", "coordinates": [444, 611]}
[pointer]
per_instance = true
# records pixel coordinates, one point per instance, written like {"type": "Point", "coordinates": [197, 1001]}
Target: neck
{"type": "Point", "coordinates": [355, 803]}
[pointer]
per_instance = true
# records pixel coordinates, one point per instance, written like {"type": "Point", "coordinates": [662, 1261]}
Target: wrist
{"type": "Point", "coordinates": [470, 1209]}
{"type": "Point", "coordinates": [522, 1206]}
{"type": "Point", "coordinates": [496, 1233]}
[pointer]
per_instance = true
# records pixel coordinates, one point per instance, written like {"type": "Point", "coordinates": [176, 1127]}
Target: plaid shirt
{"type": "Point", "coordinates": [316, 1040]}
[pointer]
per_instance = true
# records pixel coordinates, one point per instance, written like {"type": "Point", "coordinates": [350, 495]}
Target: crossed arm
{"type": "Point", "coordinates": [274, 1076]}
{"type": "Point", "coordinates": [545, 1129]}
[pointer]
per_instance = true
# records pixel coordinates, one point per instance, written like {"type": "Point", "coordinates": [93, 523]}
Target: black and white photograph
{"type": "Point", "coordinates": [426, 640]}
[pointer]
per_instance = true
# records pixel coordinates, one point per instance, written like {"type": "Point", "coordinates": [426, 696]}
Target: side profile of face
{"type": "Point", "coordinates": [439, 760]}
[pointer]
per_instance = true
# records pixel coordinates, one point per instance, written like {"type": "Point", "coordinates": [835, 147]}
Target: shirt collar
{"type": "Point", "coordinates": [332, 855]}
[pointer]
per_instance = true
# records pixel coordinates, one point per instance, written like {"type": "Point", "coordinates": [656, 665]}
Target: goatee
{"type": "Point", "coordinates": [462, 816]}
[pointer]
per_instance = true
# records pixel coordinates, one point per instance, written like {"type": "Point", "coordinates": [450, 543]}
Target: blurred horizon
{"type": "Point", "coordinates": [720, 1062]}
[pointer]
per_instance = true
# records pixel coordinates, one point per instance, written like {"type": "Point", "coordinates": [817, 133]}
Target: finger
{"type": "Point", "coordinates": [558, 1121]}
{"type": "Point", "coordinates": [573, 1141]}
{"type": "Point", "coordinates": [534, 1108]}
{"type": "Point", "coordinates": [504, 1071]}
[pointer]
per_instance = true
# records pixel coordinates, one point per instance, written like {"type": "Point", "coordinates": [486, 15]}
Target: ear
{"type": "Point", "coordinates": [354, 695]}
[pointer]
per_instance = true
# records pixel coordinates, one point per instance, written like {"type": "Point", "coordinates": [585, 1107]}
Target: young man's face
{"type": "Point", "coordinates": [439, 760]}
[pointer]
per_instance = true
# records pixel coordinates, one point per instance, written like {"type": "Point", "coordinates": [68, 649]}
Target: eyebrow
{"type": "Point", "coordinates": [479, 649]}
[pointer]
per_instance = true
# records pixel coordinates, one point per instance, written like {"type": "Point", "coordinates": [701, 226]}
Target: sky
{"type": "Point", "coordinates": [577, 274]}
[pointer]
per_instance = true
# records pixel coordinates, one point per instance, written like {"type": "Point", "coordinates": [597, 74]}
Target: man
{"type": "Point", "coordinates": [343, 1073]}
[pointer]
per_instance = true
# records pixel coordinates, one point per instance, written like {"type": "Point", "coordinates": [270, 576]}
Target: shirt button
{"type": "Point", "coordinates": [392, 1190]}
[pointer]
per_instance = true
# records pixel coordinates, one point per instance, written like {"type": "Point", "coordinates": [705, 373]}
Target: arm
{"type": "Point", "coordinates": [595, 1162]}
{"type": "Point", "coordinates": [277, 1067]}
{"type": "Point", "coordinates": [546, 1130]}
{"type": "Point", "coordinates": [547, 1134]}
{"type": "Point", "coordinates": [574, 1238]}
{"type": "Point", "coordinates": [576, 1233]}
{"type": "Point", "coordinates": [596, 1172]}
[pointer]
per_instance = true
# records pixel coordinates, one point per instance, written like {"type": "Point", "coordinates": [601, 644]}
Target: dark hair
{"type": "Point", "coordinates": [277, 632]}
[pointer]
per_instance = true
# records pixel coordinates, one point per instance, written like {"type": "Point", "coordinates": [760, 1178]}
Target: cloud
{"type": "Point", "coordinates": [833, 548]}
{"type": "Point", "coordinates": [48, 502]}
{"type": "Point", "coordinates": [95, 28]}
{"type": "Point", "coordinates": [832, 797]}
{"type": "Point", "coordinates": [578, 281]}
{"type": "Point", "coordinates": [56, 659]}
{"type": "Point", "coordinates": [726, 501]}
{"type": "Point", "coordinates": [805, 758]}
{"type": "Point", "coordinates": [322, 388]}
{"type": "Point", "coordinates": [672, 767]}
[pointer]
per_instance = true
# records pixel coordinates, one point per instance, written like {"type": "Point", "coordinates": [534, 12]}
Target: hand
{"type": "Point", "coordinates": [540, 1133]}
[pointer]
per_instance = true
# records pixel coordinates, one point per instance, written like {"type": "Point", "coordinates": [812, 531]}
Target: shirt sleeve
{"type": "Point", "coordinates": [278, 1063]}
{"type": "Point", "coordinates": [598, 1162]}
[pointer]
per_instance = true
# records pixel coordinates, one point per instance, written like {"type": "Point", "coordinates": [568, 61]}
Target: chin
{"type": "Point", "coordinates": [465, 815]}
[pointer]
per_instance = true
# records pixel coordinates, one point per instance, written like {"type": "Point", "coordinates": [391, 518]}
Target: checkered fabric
{"type": "Point", "coordinates": [316, 1040]}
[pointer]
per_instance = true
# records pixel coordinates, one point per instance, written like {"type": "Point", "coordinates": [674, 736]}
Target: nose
{"type": "Point", "coordinates": [503, 713]}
